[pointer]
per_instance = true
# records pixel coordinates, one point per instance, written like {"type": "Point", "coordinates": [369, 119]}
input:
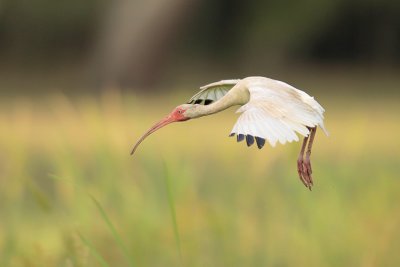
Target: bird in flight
{"type": "Point", "coordinates": [271, 111]}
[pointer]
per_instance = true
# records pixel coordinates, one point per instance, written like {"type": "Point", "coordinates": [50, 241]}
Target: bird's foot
{"type": "Point", "coordinates": [305, 172]}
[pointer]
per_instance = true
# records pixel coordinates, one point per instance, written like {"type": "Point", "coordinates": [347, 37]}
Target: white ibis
{"type": "Point", "coordinates": [271, 110]}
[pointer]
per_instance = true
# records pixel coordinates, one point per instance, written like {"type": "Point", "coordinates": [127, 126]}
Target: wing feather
{"type": "Point", "coordinates": [212, 92]}
{"type": "Point", "coordinates": [277, 112]}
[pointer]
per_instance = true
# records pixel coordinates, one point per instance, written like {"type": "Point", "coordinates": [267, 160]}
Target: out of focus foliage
{"type": "Point", "coordinates": [235, 206]}
{"type": "Point", "coordinates": [134, 42]}
{"type": "Point", "coordinates": [35, 28]}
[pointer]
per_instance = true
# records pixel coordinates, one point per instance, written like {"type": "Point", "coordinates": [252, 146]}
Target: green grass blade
{"type": "Point", "coordinates": [108, 222]}
{"type": "Point", "coordinates": [114, 232]}
{"type": "Point", "coordinates": [94, 252]}
{"type": "Point", "coordinates": [172, 210]}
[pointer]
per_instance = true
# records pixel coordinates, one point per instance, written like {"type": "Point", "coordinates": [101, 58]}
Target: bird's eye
{"type": "Point", "coordinates": [180, 111]}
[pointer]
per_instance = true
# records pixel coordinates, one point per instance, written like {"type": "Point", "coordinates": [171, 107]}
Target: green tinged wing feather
{"type": "Point", "coordinates": [212, 92]}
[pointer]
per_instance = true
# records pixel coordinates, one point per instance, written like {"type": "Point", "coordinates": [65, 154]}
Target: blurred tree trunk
{"type": "Point", "coordinates": [136, 39]}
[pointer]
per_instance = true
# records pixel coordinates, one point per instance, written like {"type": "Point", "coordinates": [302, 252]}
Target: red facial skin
{"type": "Point", "coordinates": [174, 116]}
{"type": "Point", "coordinates": [177, 115]}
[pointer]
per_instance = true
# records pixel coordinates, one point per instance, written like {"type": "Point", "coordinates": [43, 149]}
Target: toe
{"type": "Point", "coordinates": [307, 175]}
{"type": "Point", "coordinates": [300, 171]}
{"type": "Point", "coordinates": [308, 170]}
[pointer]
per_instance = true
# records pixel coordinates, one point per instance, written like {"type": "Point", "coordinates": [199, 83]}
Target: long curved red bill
{"type": "Point", "coordinates": [167, 120]}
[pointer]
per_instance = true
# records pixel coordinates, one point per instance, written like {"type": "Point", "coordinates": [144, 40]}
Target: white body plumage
{"type": "Point", "coordinates": [276, 110]}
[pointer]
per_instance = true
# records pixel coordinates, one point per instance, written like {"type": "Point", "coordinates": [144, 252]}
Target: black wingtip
{"type": "Point", "coordinates": [249, 140]}
{"type": "Point", "coordinates": [231, 134]}
{"type": "Point", "coordinates": [208, 101]}
{"type": "Point", "coordinates": [260, 142]}
{"type": "Point", "coordinates": [240, 137]}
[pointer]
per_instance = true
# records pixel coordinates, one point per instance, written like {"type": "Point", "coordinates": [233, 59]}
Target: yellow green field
{"type": "Point", "coordinates": [234, 206]}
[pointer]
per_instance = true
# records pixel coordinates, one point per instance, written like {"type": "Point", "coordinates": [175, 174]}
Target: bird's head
{"type": "Point", "coordinates": [180, 113]}
{"type": "Point", "coordinates": [177, 114]}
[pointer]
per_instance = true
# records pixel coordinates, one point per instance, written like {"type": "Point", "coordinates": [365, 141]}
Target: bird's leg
{"type": "Point", "coordinates": [300, 162]}
{"type": "Point", "coordinates": [307, 170]}
{"type": "Point", "coordinates": [307, 162]}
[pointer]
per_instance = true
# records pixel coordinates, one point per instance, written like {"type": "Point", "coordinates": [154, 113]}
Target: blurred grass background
{"type": "Point", "coordinates": [81, 81]}
{"type": "Point", "coordinates": [235, 206]}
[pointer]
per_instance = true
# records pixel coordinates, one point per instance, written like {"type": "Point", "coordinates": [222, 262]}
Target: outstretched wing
{"type": "Point", "coordinates": [212, 92]}
{"type": "Point", "coordinates": [257, 125]}
{"type": "Point", "coordinates": [277, 114]}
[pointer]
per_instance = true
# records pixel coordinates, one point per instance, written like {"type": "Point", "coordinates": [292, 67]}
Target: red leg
{"type": "Point", "coordinates": [300, 161]}
{"type": "Point", "coordinates": [307, 162]}
{"type": "Point", "coordinates": [304, 165]}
